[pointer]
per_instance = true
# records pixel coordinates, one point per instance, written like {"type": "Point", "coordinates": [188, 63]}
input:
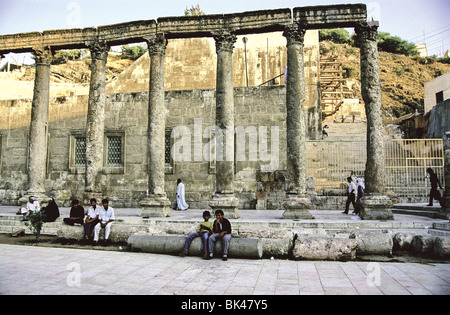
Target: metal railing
{"type": "Point", "coordinates": [331, 162]}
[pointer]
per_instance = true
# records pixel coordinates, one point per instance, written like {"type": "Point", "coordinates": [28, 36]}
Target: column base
{"type": "Point", "coordinates": [155, 206]}
{"type": "Point", "coordinates": [88, 195]}
{"type": "Point", "coordinates": [41, 197]}
{"type": "Point", "coordinates": [376, 207]}
{"type": "Point", "coordinates": [297, 207]}
{"type": "Point", "coordinates": [227, 203]}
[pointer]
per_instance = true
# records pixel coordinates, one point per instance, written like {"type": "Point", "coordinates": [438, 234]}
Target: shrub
{"type": "Point", "coordinates": [396, 45]}
{"type": "Point", "coordinates": [132, 52]}
{"type": "Point", "coordinates": [62, 56]}
{"type": "Point", "coordinates": [337, 35]}
{"type": "Point", "coordinates": [35, 223]}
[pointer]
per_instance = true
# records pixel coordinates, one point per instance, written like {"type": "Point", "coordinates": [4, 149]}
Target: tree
{"type": "Point", "coordinates": [132, 52]}
{"type": "Point", "coordinates": [336, 35]}
{"type": "Point", "coordinates": [194, 11]}
{"type": "Point", "coordinates": [396, 45]}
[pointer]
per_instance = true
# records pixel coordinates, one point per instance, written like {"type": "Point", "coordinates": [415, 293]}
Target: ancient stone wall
{"type": "Point", "coordinates": [124, 114]}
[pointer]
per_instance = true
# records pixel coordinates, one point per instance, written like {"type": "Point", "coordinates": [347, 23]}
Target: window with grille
{"type": "Point", "coordinates": [167, 147]}
{"type": "Point", "coordinates": [114, 154]}
{"type": "Point", "coordinates": [80, 151]}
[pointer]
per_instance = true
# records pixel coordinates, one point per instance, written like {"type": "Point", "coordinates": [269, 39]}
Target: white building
{"type": "Point", "coordinates": [437, 91]}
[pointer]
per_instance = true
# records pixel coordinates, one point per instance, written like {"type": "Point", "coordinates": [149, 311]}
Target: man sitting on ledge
{"type": "Point", "coordinates": [221, 230]}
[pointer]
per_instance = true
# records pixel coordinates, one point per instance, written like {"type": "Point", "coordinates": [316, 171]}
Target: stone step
{"type": "Point", "coordinates": [423, 212]}
{"type": "Point", "coordinates": [445, 226]}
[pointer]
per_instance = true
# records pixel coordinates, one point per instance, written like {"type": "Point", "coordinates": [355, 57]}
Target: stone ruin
{"type": "Point", "coordinates": [224, 29]}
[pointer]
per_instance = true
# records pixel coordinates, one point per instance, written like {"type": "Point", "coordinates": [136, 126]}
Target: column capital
{"type": "Point", "coordinates": [99, 50]}
{"type": "Point", "coordinates": [156, 44]}
{"type": "Point", "coordinates": [225, 40]}
{"type": "Point", "coordinates": [43, 55]}
{"type": "Point", "coordinates": [367, 31]}
{"type": "Point", "coordinates": [294, 33]}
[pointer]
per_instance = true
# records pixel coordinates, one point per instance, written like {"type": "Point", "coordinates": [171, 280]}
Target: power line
{"type": "Point", "coordinates": [414, 39]}
{"type": "Point", "coordinates": [436, 35]}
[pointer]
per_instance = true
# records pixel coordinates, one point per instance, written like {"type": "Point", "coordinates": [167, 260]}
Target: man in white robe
{"type": "Point", "coordinates": [181, 201]}
{"type": "Point", "coordinates": [32, 206]}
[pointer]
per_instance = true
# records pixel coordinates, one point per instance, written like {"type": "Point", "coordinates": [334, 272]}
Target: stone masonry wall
{"type": "Point", "coordinates": [126, 114]}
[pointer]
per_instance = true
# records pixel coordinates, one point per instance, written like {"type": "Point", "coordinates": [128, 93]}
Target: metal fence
{"type": "Point", "coordinates": [331, 162]}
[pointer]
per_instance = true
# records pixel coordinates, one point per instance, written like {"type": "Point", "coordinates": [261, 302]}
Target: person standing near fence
{"type": "Point", "coordinates": [351, 194]}
{"type": "Point", "coordinates": [434, 192]}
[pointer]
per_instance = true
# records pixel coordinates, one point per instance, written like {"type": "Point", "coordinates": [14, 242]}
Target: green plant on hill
{"type": "Point", "coordinates": [132, 52]}
{"type": "Point", "coordinates": [396, 45]}
{"type": "Point", "coordinates": [62, 56]}
{"type": "Point", "coordinates": [336, 35]}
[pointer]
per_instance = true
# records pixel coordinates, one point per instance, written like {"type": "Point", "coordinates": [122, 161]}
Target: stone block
{"type": "Point", "coordinates": [324, 248]}
{"type": "Point", "coordinates": [173, 244]}
{"type": "Point", "coordinates": [441, 247]}
{"type": "Point", "coordinates": [119, 233]}
{"type": "Point", "coordinates": [374, 243]}
{"type": "Point", "coordinates": [423, 245]}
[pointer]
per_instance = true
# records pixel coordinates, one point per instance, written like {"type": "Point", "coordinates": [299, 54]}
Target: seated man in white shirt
{"type": "Point", "coordinates": [32, 205]}
{"type": "Point", "coordinates": [106, 218]}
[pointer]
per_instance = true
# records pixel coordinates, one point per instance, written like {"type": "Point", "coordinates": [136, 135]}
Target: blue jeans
{"type": "Point", "coordinates": [225, 242]}
{"type": "Point", "coordinates": [191, 236]}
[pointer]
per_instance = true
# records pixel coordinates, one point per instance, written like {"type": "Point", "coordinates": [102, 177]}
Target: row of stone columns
{"type": "Point", "coordinates": [156, 204]}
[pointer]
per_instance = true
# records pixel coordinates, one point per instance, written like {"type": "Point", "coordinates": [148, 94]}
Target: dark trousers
{"type": "Point", "coordinates": [69, 221]}
{"type": "Point", "coordinates": [435, 194]}
{"type": "Point", "coordinates": [88, 227]}
{"type": "Point", "coordinates": [350, 199]}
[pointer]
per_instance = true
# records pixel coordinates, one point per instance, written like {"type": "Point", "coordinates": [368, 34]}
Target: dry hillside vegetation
{"type": "Point", "coordinates": [402, 78]}
{"type": "Point", "coordinates": [78, 71]}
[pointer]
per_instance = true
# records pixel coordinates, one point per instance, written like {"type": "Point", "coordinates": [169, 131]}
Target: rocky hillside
{"type": "Point", "coordinates": [402, 78]}
{"type": "Point", "coordinates": [78, 71]}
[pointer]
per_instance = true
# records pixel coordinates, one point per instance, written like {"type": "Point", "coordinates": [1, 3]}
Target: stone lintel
{"type": "Point", "coordinates": [331, 16]}
{"type": "Point", "coordinates": [188, 26]}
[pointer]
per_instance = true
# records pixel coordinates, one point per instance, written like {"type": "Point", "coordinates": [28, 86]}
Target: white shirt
{"type": "Point", "coordinates": [93, 213]}
{"type": "Point", "coordinates": [106, 215]}
{"type": "Point", "coordinates": [33, 206]}
{"type": "Point", "coordinates": [351, 188]}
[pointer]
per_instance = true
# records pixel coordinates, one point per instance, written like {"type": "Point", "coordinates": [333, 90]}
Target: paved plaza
{"type": "Point", "coordinates": [31, 270]}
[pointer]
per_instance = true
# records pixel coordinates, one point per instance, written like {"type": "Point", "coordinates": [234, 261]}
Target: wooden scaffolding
{"type": "Point", "coordinates": [333, 88]}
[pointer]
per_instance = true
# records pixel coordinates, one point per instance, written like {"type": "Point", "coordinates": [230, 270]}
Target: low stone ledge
{"type": "Point", "coordinates": [441, 247]}
{"type": "Point", "coordinates": [374, 243]}
{"type": "Point", "coordinates": [423, 245]}
{"type": "Point", "coordinates": [119, 233]}
{"type": "Point", "coordinates": [174, 244]}
{"type": "Point", "coordinates": [324, 248]}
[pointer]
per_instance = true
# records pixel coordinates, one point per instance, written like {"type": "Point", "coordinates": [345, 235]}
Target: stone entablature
{"type": "Point", "coordinates": [181, 27]}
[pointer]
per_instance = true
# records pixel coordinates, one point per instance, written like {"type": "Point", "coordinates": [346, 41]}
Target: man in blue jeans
{"type": "Point", "coordinates": [204, 230]}
{"type": "Point", "coordinates": [221, 230]}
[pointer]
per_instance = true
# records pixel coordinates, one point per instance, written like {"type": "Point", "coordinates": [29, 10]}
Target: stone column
{"type": "Point", "coordinates": [377, 206]}
{"type": "Point", "coordinates": [224, 198]}
{"type": "Point", "coordinates": [297, 204]}
{"type": "Point", "coordinates": [37, 163]}
{"type": "Point", "coordinates": [156, 204]}
{"type": "Point", "coordinates": [445, 212]}
{"type": "Point", "coordinates": [95, 131]}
